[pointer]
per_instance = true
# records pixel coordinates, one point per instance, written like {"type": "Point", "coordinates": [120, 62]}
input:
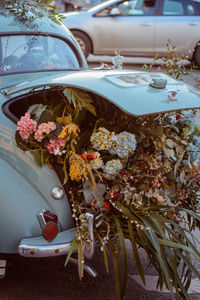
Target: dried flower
{"type": "Point", "coordinates": [97, 162]}
{"type": "Point", "coordinates": [69, 129]}
{"type": "Point", "coordinates": [44, 128]}
{"type": "Point", "coordinates": [101, 140]}
{"type": "Point", "coordinates": [90, 156]}
{"type": "Point", "coordinates": [114, 196]}
{"type": "Point", "coordinates": [54, 145]}
{"type": "Point", "coordinates": [107, 206]}
{"type": "Point", "coordinates": [124, 144]}
{"type": "Point", "coordinates": [112, 168]}
{"type": "Point", "coordinates": [78, 169]}
{"type": "Point", "coordinates": [26, 126]}
{"type": "Point", "coordinates": [84, 156]}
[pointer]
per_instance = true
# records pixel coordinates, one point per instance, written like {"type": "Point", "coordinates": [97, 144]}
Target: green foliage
{"type": "Point", "coordinates": [79, 98]}
{"type": "Point", "coordinates": [28, 11]}
{"type": "Point", "coordinates": [172, 64]}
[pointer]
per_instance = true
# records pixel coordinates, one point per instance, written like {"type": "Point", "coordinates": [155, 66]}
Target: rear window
{"type": "Point", "coordinates": [27, 53]}
{"type": "Point", "coordinates": [179, 8]}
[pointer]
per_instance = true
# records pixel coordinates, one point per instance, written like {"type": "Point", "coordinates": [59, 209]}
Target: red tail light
{"type": "Point", "coordinates": [50, 217]}
{"type": "Point", "coordinates": [50, 231]}
{"type": "Point", "coordinates": [50, 227]}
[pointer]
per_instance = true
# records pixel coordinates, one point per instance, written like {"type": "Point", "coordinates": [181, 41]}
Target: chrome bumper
{"type": "Point", "coordinates": [39, 247]}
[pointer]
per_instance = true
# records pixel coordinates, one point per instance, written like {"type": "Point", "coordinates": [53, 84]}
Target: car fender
{"type": "Point", "coordinates": [20, 202]}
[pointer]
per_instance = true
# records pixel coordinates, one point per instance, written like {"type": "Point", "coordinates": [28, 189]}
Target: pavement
{"type": "Point", "coordinates": [127, 60]}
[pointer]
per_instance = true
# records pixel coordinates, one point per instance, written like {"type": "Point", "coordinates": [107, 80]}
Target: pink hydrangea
{"type": "Point", "coordinates": [26, 126]}
{"type": "Point", "coordinates": [44, 128]}
{"type": "Point", "coordinates": [55, 145]}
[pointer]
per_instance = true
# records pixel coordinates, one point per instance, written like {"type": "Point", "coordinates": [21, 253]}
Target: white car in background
{"type": "Point", "coordinates": [138, 27]}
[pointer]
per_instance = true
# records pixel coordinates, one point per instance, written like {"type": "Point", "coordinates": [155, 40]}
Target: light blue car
{"type": "Point", "coordinates": [40, 55]}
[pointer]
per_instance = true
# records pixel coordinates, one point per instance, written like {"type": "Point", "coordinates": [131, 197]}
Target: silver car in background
{"type": "Point", "coordinates": [138, 27]}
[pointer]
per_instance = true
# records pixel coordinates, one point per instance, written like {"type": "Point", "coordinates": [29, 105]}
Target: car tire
{"type": "Point", "coordinates": [83, 41]}
{"type": "Point", "coordinates": [196, 56]}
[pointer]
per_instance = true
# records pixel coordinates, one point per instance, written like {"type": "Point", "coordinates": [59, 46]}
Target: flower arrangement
{"type": "Point", "coordinates": [140, 178]}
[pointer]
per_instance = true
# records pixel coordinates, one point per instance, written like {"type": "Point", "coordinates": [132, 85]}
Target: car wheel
{"type": "Point", "coordinates": [196, 56]}
{"type": "Point", "coordinates": [83, 41]}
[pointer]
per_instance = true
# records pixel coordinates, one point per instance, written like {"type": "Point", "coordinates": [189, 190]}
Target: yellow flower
{"type": "Point", "coordinates": [72, 128]}
{"type": "Point", "coordinates": [78, 168]}
{"type": "Point", "coordinates": [68, 130]}
{"type": "Point", "coordinates": [63, 133]}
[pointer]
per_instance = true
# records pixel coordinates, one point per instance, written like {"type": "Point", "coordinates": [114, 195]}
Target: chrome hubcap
{"type": "Point", "coordinates": [81, 44]}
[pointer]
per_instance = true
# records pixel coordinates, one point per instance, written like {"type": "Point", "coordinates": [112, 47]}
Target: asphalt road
{"type": "Point", "coordinates": [48, 279]}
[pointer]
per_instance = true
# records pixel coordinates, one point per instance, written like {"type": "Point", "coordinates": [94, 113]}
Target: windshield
{"type": "Point", "coordinates": [101, 5]}
{"type": "Point", "coordinates": [27, 53]}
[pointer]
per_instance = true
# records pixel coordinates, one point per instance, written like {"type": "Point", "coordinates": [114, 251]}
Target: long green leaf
{"type": "Point", "coordinates": [156, 243]}
{"type": "Point", "coordinates": [180, 246]}
{"type": "Point", "coordinates": [178, 252]}
{"type": "Point", "coordinates": [179, 229]}
{"type": "Point", "coordinates": [123, 253]}
{"type": "Point", "coordinates": [192, 213]}
{"type": "Point", "coordinates": [105, 259]}
{"type": "Point", "coordinates": [135, 251]}
{"type": "Point", "coordinates": [80, 259]}
{"type": "Point", "coordinates": [189, 264]}
{"type": "Point", "coordinates": [70, 251]}
{"type": "Point", "coordinates": [116, 269]}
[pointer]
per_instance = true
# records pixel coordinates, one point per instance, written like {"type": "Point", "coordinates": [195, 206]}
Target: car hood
{"type": "Point", "coordinates": [129, 90]}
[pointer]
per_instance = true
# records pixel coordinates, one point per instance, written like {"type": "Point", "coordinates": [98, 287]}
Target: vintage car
{"type": "Point", "coordinates": [35, 215]}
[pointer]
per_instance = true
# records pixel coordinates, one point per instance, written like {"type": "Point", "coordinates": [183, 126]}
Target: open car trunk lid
{"type": "Point", "coordinates": [131, 91]}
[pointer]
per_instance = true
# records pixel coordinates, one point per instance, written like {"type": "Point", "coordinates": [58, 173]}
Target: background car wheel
{"type": "Point", "coordinates": [196, 56]}
{"type": "Point", "coordinates": [83, 41]}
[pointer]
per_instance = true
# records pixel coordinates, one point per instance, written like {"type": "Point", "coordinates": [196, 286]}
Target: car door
{"type": "Point", "coordinates": [130, 30]}
{"type": "Point", "coordinates": [178, 21]}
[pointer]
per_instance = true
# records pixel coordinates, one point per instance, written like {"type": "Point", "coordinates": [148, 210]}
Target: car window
{"type": "Point", "coordinates": [131, 8]}
{"type": "Point", "coordinates": [19, 53]}
{"type": "Point", "coordinates": [178, 7]}
{"type": "Point", "coordinates": [197, 5]}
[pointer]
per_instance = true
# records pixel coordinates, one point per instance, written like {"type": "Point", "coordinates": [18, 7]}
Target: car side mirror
{"type": "Point", "coordinates": [115, 11]}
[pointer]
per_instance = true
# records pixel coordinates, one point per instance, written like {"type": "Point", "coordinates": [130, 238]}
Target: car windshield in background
{"type": "Point", "coordinates": [27, 53]}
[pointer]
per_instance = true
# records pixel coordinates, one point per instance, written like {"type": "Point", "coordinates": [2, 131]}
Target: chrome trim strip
{"type": "Point", "coordinates": [44, 250]}
{"type": "Point", "coordinates": [6, 92]}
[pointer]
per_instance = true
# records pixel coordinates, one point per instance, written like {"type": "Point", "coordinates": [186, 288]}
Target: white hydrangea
{"type": "Point", "coordinates": [96, 163]}
{"type": "Point", "coordinates": [101, 140]}
{"type": "Point", "coordinates": [112, 168]}
{"type": "Point", "coordinates": [124, 144]}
